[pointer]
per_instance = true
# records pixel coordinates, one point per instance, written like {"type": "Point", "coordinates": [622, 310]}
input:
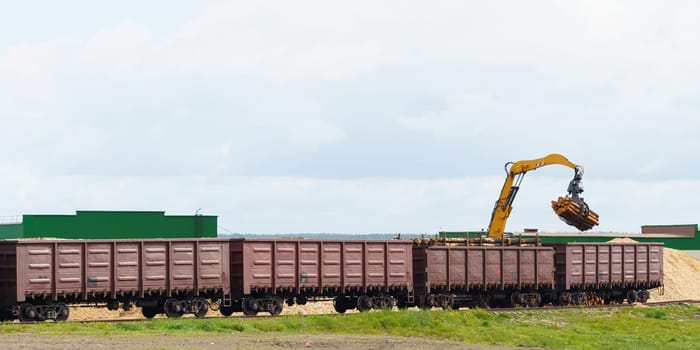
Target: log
{"type": "Point", "coordinates": [575, 213]}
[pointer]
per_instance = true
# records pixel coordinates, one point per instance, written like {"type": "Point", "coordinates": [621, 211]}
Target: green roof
{"type": "Point", "coordinates": [86, 224]}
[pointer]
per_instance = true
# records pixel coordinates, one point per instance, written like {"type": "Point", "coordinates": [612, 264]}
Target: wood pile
{"type": "Point", "coordinates": [575, 213]}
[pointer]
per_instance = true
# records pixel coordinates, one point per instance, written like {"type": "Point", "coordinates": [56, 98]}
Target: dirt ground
{"type": "Point", "coordinates": [235, 341]}
{"type": "Point", "coordinates": [78, 313]}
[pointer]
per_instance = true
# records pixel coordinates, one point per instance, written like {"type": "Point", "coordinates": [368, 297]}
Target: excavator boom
{"type": "Point", "coordinates": [572, 209]}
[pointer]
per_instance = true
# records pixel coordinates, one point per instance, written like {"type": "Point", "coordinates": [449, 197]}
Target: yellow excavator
{"type": "Point", "coordinates": [571, 209]}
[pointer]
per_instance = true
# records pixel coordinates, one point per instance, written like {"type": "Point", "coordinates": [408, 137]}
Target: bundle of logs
{"type": "Point", "coordinates": [481, 241]}
{"type": "Point", "coordinates": [575, 213]}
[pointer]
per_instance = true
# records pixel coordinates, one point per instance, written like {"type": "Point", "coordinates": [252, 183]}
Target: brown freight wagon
{"type": "Point", "coordinates": [591, 273]}
{"type": "Point", "coordinates": [456, 276]}
{"type": "Point", "coordinates": [39, 278]}
{"type": "Point", "coordinates": [265, 273]}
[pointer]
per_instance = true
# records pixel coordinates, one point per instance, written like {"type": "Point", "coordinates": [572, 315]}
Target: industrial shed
{"type": "Point", "coordinates": [87, 224]}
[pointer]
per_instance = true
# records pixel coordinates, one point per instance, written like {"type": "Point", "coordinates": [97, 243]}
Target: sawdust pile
{"type": "Point", "coordinates": [622, 240]}
{"type": "Point", "coordinates": [79, 313]}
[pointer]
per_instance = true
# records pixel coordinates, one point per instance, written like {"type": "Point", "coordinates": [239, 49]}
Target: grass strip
{"type": "Point", "coordinates": [668, 327]}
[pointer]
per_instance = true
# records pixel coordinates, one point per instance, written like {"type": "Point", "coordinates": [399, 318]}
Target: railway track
{"type": "Point", "coordinates": [495, 310]}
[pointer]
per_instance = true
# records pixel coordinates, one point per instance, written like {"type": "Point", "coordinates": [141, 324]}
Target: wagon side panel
{"type": "Point", "coordinates": [457, 275]}
{"type": "Point", "coordinates": [128, 267]}
{"type": "Point", "coordinates": [69, 268]}
{"type": "Point", "coordinates": [155, 266]}
{"type": "Point", "coordinates": [98, 269]}
{"type": "Point", "coordinates": [656, 264]}
{"type": "Point", "coordinates": [257, 265]}
{"type": "Point", "coordinates": [476, 268]}
{"type": "Point", "coordinates": [34, 270]}
{"type": "Point", "coordinates": [511, 265]}
{"type": "Point", "coordinates": [437, 267]}
{"type": "Point", "coordinates": [331, 264]}
{"type": "Point", "coordinates": [353, 264]}
{"type": "Point", "coordinates": [213, 266]}
{"type": "Point", "coordinates": [546, 267]}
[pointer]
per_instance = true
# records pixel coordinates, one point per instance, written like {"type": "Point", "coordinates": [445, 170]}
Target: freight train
{"type": "Point", "coordinates": [39, 279]}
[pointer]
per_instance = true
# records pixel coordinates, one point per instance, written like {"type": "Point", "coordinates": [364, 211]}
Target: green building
{"type": "Point", "coordinates": [109, 225]}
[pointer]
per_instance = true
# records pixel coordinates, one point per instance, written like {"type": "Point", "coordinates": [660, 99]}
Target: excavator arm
{"type": "Point", "coordinates": [515, 173]}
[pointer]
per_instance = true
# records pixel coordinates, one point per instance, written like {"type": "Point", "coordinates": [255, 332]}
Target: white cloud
{"type": "Point", "coordinates": [365, 116]}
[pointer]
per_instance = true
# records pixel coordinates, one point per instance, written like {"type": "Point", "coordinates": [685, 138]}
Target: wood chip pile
{"type": "Point", "coordinates": [575, 213]}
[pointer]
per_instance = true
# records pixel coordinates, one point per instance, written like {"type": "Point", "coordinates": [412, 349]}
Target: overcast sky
{"type": "Point", "coordinates": [350, 117]}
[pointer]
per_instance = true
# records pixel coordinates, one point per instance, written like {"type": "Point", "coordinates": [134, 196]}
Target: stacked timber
{"type": "Point", "coordinates": [481, 241]}
{"type": "Point", "coordinates": [575, 213]}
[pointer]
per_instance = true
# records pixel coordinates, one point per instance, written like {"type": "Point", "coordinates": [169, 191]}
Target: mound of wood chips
{"type": "Point", "coordinates": [92, 313]}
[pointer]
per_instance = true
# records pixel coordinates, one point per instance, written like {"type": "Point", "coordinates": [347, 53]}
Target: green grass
{"type": "Point", "coordinates": [671, 327]}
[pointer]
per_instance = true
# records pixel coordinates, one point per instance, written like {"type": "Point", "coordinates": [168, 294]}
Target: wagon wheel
{"type": "Point", "coordinates": [215, 304]}
{"type": "Point", "coordinates": [226, 310]}
{"type": "Point", "coordinates": [149, 312]}
{"type": "Point", "coordinates": [389, 305]}
{"type": "Point", "coordinates": [448, 303]}
{"type": "Point", "coordinates": [173, 308]}
{"type": "Point", "coordinates": [536, 301]}
{"type": "Point", "coordinates": [340, 305]}
{"type": "Point", "coordinates": [62, 311]}
{"type": "Point", "coordinates": [27, 313]}
{"type": "Point", "coordinates": [200, 307]}
{"type": "Point", "coordinates": [426, 302]}
{"type": "Point", "coordinates": [249, 306]}
{"type": "Point", "coordinates": [277, 307]}
{"type": "Point", "coordinates": [364, 303]}
{"type": "Point", "coordinates": [643, 297]}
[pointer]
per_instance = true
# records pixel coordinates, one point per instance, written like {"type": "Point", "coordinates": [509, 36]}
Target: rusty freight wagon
{"type": "Point", "coordinates": [456, 276]}
{"type": "Point", "coordinates": [594, 273]}
{"type": "Point", "coordinates": [266, 273]}
{"type": "Point", "coordinates": [40, 278]}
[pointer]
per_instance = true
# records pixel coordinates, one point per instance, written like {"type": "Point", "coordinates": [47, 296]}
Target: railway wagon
{"type": "Point", "coordinates": [594, 273]}
{"type": "Point", "coordinates": [484, 276]}
{"type": "Point", "coordinates": [40, 278]}
{"type": "Point", "coordinates": [266, 273]}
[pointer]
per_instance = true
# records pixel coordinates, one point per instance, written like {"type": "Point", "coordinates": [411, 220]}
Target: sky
{"type": "Point", "coordinates": [350, 117]}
